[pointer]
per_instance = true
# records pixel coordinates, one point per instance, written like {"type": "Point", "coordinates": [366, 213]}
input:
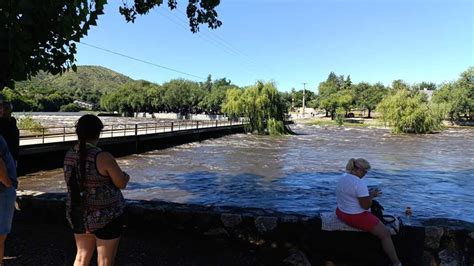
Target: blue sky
{"type": "Point", "coordinates": [291, 41]}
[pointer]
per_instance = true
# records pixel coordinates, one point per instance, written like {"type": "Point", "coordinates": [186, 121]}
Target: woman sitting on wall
{"type": "Point", "coordinates": [354, 201]}
{"type": "Point", "coordinates": [95, 204]}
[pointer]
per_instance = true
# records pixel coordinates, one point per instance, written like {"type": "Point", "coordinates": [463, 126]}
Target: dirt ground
{"type": "Point", "coordinates": [31, 243]}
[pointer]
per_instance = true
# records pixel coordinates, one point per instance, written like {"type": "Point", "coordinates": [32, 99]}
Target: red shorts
{"type": "Point", "coordinates": [364, 221]}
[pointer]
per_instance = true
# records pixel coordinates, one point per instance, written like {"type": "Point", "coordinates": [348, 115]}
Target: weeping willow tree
{"type": "Point", "coordinates": [261, 104]}
{"type": "Point", "coordinates": [409, 112]}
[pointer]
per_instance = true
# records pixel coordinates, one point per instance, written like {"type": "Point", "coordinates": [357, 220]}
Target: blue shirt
{"type": "Point", "coordinates": [9, 163]}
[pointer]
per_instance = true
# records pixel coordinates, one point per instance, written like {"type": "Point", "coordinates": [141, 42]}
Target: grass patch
{"type": "Point", "coordinates": [319, 122]}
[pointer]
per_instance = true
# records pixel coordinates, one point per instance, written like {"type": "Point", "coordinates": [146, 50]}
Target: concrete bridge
{"type": "Point", "coordinates": [45, 148]}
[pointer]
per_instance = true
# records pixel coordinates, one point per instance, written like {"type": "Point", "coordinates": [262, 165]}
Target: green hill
{"type": "Point", "coordinates": [87, 78]}
{"type": "Point", "coordinates": [46, 92]}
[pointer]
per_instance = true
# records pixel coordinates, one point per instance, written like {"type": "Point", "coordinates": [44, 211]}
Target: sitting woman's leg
{"type": "Point", "coordinates": [384, 234]}
{"type": "Point", "coordinates": [2, 247]}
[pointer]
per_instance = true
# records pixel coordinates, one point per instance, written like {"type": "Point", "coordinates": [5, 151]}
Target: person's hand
{"type": "Point", "coordinates": [375, 192]}
{"type": "Point", "coordinates": [126, 176]}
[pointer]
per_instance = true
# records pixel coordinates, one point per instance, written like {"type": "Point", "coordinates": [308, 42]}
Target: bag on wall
{"type": "Point", "coordinates": [391, 222]}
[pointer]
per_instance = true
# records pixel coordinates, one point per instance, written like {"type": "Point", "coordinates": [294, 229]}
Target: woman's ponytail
{"type": "Point", "coordinates": [88, 128]}
{"type": "Point", "coordinates": [82, 158]}
{"type": "Point", "coordinates": [350, 165]}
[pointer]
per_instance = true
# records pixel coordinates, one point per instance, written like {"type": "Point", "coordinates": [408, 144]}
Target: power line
{"type": "Point", "coordinates": [202, 36]}
{"type": "Point", "coordinates": [181, 24]}
{"type": "Point", "coordinates": [210, 34]}
{"type": "Point", "coordinates": [140, 60]}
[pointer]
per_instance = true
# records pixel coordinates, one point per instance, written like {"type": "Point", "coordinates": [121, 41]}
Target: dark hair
{"type": "Point", "coordinates": [88, 127]}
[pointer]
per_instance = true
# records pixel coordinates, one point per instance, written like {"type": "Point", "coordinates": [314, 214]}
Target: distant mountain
{"type": "Point", "coordinates": [87, 78]}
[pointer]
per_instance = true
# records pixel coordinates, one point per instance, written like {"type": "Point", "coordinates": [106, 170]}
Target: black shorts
{"type": "Point", "coordinates": [111, 230]}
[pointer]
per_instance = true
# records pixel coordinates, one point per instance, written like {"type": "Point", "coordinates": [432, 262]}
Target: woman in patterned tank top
{"type": "Point", "coordinates": [95, 204]}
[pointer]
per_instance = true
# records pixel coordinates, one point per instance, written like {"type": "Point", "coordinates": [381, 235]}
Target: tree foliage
{"type": "Point", "coordinates": [261, 104]}
{"type": "Point", "coordinates": [127, 99]}
{"type": "Point", "coordinates": [335, 92]}
{"type": "Point", "coordinates": [70, 107]}
{"type": "Point", "coordinates": [215, 93]}
{"type": "Point", "coordinates": [41, 35]}
{"type": "Point", "coordinates": [297, 96]}
{"type": "Point", "coordinates": [409, 112]}
{"type": "Point", "coordinates": [87, 84]}
{"type": "Point", "coordinates": [458, 96]}
{"type": "Point", "coordinates": [368, 96]}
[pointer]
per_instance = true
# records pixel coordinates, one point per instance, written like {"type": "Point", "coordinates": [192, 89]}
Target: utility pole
{"type": "Point", "coordinates": [304, 95]}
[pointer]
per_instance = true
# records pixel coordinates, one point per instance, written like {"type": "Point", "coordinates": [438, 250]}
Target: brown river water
{"type": "Point", "coordinates": [433, 174]}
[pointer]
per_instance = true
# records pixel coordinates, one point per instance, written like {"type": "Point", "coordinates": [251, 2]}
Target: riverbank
{"type": "Point", "coordinates": [369, 123]}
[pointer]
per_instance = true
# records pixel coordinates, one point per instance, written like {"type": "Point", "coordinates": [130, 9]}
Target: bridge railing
{"type": "Point", "coordinates": [67, 133]}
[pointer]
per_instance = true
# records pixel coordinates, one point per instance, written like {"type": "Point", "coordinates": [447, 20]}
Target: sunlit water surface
{"type": "Point", "coordinates": [433, 174]}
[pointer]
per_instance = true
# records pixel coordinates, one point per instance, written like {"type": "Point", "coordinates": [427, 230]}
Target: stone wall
{"type": "Point", "coordinates": [292, 238]}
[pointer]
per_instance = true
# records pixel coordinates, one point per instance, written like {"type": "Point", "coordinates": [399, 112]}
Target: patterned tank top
{"type": "Point", "coordinates": [100, 200]}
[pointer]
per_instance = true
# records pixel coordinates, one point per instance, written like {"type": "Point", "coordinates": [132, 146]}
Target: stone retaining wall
{"type": "Point", "coordinates": [298, 237]}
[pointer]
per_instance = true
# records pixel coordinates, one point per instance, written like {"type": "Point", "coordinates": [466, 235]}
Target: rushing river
{"type": "Point", "coordinates": [433, 174]}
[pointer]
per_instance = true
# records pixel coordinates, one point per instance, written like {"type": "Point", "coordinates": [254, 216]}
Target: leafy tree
{"type": "Point", "coordinates": [19, 102]}
{"type": "Point", "coordinates": [425, 85]}
{"type": "Point", "coordinates": [329, 104]}
{"type": "Point", "coordinates": [52, 102]}
{"type": "Point", "coordinates": [298, 97]}
{"type": "Point", "coordinates": [127, 99]}
{"type": "Point", "coordinates": [212, 101]}
{"type": "Point", "coordinates": [399, 85]}
{"type": "Point", "coordinates": [155, 98]}
{"type": "Point", "coordinates": [208, 84]}
{"type": "Point", "coordinates": [344, 100]}
{"type": "Point", "coordinates": [466, 81]}
{"type": "Point", "coordinates": [182, 96]}
{"type": "Point", "coordinates": [314, 103]}
{"type": "Point", "coordinates": [458, 96]}
{"type": "Point", "coordinates": [347, 85]}
{"type": "Point", "coordinates": [326, 90]}
{"type": "Point", "coordinates": [408, 112]}
{"type": "Point", "coordinates": [40, 35]}
{"type": "Point", "coordinates": [233, 105]}
{"type": "Point", "coordinates": [369, 96]}
{"type": "Point", "coordinates": [287, 98]}
{"type": "Point", "coordinates": [261, 104]}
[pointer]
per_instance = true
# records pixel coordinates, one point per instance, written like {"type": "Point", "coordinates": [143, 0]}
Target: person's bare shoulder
{"type": "Point", "coordinates": [105, 157]}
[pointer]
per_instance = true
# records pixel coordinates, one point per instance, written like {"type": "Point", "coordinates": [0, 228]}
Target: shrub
{"type": "Point", "coordinates": [30, 124]}
{"type": "Point", "coordinates": [340, 114]}
{"type": "Point", "coordinates": [71, 107]}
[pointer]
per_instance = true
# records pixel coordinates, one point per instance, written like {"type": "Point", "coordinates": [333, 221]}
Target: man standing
{"type": "Point", "coordinates": [9, 129]}
{"type": "Point", "coordinates": [8, 185]}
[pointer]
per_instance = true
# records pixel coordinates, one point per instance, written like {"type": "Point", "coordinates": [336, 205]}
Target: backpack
{"type": "Point", "coordinates": [391, 222]}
